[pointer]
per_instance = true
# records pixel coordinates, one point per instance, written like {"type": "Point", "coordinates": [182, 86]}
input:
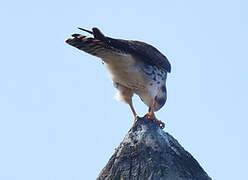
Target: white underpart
{"type": "Point", "coordinates": [127, 71]}
{"type": "Point", "coordinates": [119, 97]}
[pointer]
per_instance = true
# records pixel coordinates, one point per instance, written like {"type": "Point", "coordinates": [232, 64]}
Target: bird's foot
{"type": "Point", "coordinates": [155, 120]}
{"type": "Point", "coordinates": [135, 119]}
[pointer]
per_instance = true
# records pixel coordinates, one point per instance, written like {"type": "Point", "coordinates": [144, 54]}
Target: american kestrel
{"type": "Point", "coordinates": [134, 66]}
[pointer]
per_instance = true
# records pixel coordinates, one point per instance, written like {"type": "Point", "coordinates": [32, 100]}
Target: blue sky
{"type": "Point", "coordinates": [58, 117]}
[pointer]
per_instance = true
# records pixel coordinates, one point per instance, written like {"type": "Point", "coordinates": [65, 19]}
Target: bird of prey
{"type": "Point", "coordinates": [135, 68]}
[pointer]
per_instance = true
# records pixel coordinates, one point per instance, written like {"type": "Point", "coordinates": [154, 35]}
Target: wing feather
{"type": "Point", "coordinates": [100, 45]}
{"type": "Point", "coordinates": [148, 53]}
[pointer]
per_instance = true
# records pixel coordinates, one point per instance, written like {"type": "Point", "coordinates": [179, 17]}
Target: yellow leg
{"type": "Point", "coordinates": [133, 111]}
{"type": "Point", "coordinates": [127, 94]}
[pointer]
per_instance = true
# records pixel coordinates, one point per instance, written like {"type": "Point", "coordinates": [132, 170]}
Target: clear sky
{"type": "Point", "coordinates": [58, 117]}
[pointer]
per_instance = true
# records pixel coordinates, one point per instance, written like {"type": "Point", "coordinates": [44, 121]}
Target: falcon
{"type": "Point", "coordinates": [135, 68]}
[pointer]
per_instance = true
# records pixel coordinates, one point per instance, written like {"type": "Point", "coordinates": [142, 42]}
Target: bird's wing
{"type": "Point", "coordinates": [146, 52]}
{"type": "Point", "coordinates": [102, 46]}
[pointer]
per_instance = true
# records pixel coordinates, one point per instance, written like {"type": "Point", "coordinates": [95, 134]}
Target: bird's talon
{"type": "Point", "coordinates": [155, 120]}
{"type": "Point", "coordinates": [162, 125]}
{"type": "Point", "coordinates": [148, 116]}
{"type": "Point", "coordinates": [158, 122]}
{"type": "Point", "coordinates": [136, 118]}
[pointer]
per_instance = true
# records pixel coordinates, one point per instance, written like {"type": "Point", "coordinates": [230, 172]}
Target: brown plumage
{"type": "Point", "coordinates": [135, 67]}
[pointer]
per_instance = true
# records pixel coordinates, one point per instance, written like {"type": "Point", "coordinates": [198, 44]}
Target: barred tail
{"type": "Point", "coordinates": [87, 44]}
{"type": "Point", "coordinates": [97, 46]}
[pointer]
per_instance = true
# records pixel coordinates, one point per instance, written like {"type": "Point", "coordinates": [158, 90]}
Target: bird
{"type": "Point", "coordinates": [135, 67]}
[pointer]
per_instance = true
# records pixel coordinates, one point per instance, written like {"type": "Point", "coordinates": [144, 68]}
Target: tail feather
{"type": "Point", "coordinates": [96, 45]}
{"type": "Point", "coordinates": [96, 33]}
{"type": "Point", "coordinates": [88, 44]}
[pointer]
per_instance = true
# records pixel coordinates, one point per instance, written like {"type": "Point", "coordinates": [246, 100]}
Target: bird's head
{"type": "Point", "coordinates": [160, 99]}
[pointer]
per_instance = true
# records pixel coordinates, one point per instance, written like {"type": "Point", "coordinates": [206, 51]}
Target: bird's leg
{"type": "Point", "coordinates": [130, 103]}
{"type": "Point", "coordinates": [125, 94]}
{"type": "Point", "coordinates": [151, 115]}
